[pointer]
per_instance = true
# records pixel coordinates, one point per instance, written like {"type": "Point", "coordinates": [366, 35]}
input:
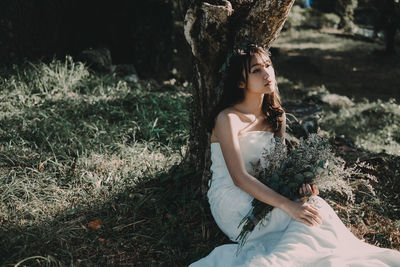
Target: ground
{"type": "Point", "coordinates": [89, 173]}
{"type": "Point", "coordinates": [353, 66]}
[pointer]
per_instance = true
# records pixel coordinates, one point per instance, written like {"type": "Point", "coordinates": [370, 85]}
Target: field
{"type": "Point", "coordinates": [89, 163]}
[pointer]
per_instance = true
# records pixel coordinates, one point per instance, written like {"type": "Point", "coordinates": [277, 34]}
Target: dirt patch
{"type": "Point", "coordinates": [346, 65]}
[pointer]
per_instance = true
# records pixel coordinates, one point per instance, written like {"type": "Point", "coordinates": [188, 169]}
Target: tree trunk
{"type": "Point", "coordinates": [213, 28]}
{"type": "Point", "coordinates": [345, 9]}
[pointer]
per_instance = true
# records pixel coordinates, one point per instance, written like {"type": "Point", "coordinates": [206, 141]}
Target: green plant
{"type": "Point", "coordinates": [373, 126]}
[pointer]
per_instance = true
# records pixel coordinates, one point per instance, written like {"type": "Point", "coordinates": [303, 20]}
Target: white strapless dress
{"type": "Point", "coordinates": [282, 241]}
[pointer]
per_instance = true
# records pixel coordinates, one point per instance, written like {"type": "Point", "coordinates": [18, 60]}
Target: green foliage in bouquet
{"type": "Point", "coordinates": [311, 162]}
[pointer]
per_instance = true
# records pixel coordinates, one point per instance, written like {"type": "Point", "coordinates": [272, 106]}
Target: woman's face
{"type": "Point", "coordinates": [261, 77]}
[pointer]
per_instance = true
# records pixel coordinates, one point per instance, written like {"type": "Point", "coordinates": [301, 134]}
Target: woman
{"type": "Point", "coordinates": [247, 120]}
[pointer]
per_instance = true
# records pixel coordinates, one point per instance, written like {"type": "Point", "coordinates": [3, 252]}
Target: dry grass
{"type": "Point", "coordinates": [71, 142]}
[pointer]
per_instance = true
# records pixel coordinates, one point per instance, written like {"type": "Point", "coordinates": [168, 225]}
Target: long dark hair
{"type": "Point", "coordinates": [232, 94]}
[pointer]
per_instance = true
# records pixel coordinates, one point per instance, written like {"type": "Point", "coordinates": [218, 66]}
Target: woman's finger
{"type": "Point", "coordinates": [312, 207]}
{"type": "Point", "coordinates": [317, 189]}
{"type": "Point", "coordinates": [304, 188]}
{"type": "Point", "coordinates": [308, 188]}
{"type": "Point", "coordinates": [316, 219]}
{"type": "Point", "coordinates": [319, 217]}
{"type": "Point", "coordinates": [314, 211]}
{"type": "Point", "coordinates": [306, 221]}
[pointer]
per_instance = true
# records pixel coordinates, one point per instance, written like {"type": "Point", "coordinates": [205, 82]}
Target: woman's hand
{"type": "Point", "coordinates": [306, 191]}
{"type": "Point", "coordinates": [304, 212]}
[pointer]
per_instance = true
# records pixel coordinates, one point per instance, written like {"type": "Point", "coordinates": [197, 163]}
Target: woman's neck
{"type": "Point", "coordinates": [252, 104]}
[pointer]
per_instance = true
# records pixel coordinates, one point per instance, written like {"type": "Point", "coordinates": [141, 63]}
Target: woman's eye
{"type": "Point", "coordinates": [256, 70]}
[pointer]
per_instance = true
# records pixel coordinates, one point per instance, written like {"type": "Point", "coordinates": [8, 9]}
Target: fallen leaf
{"type": "Point", "coordinates": [95, 225]}
{"type": "Point", "coordinates": [40, 167]}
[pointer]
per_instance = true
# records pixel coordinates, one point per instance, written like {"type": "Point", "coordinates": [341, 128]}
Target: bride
{"type": "Point", "coordinates": [298, 233]}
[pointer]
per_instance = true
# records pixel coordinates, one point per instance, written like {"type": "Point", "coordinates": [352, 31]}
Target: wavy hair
{"type": "Point", "coordinates": [232, 94]}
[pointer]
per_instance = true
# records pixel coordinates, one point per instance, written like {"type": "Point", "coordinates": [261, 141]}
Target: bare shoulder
{"type": "Point", "coordinates": [228, 119]}
{"type": "Point", "coordinates": [227, 122]}
{"type": "Point", "coordinates": [227, 115]}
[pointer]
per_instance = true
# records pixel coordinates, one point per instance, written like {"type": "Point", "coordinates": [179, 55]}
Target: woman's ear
{"type": "Point", "coordinates": [241, 85]}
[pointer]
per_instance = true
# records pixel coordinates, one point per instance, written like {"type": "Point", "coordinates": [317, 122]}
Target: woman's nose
{"type": "Point", "coordinates": [266, 74]}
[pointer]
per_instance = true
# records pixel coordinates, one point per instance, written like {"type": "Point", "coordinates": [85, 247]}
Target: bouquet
{"type": "Point", "coordinates": [311, 162]}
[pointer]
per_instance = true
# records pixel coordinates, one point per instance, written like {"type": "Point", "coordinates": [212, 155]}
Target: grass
{"type": "Point", "coordinates": [90, 175]}
{"type": "Point", "coordinates": [373, 126]}
{"type": "Point", "coordinates": [70, 141]}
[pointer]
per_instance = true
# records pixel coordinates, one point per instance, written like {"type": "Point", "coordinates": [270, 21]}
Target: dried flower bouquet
{"type": "Point", "coordinates": [311, 162]}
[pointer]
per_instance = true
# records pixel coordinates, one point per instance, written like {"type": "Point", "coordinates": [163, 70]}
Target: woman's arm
{"type": "Point", "coordinates": [227, 135]}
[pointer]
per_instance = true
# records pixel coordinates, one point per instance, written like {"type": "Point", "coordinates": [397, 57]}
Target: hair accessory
{"type": "Point", "coordinates": [241, 49]}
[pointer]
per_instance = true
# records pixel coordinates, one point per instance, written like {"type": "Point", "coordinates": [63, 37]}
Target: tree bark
{"type": "Point", "coordinates": [213, 28]}
{"type": "Point", "coordinates": [345, 9]}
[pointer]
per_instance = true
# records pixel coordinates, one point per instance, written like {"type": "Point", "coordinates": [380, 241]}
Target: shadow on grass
{"type": "Point", "coordinates": [163, 221]}
{"type": "Point", "coordinates": [358, 72]}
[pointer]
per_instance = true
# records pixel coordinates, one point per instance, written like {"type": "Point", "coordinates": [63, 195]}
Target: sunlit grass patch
{"type": "Point", "coordinates": [100, 110]}
{"type": "Point", "coordinates": [71, 139]}
{"type": "Point", "coordinates": [34, 190]}
{"type": "Point", "coordinates": [312, 39]}
{"type": "Point", "coordinates": [373, 126]}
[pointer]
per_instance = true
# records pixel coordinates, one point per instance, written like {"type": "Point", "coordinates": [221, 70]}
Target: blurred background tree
{"type": "Point", "coordinates": [135, 32]}
{"type": "Point", "coordinates": [147, 34]}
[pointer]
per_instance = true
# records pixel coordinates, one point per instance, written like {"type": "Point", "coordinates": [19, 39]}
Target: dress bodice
{"type": "Point", "coordinates": [252, 144]}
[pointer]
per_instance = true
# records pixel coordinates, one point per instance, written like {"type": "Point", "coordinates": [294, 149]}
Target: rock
{"type": "Point", "coordinates": [126, 71]}
{"type": "Point", "coordinates": [330, 20]}
{"type": "Point", "coordinates": [98, 59]}
{"type": "Point", "coordinates": [150, 85]}
{"type": "Point", "coordinates": [123, 70]}
{"type": "Point", "coordinates": [133, 78]}
{"type": "Point", "coordinates": [302, 118]}
{"type": "Point", "coordinates": [310, 125]}
{"type": "Point", "coordinates": [302, 110]}
{"type": "Point", "coordinates": [334, 100]}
